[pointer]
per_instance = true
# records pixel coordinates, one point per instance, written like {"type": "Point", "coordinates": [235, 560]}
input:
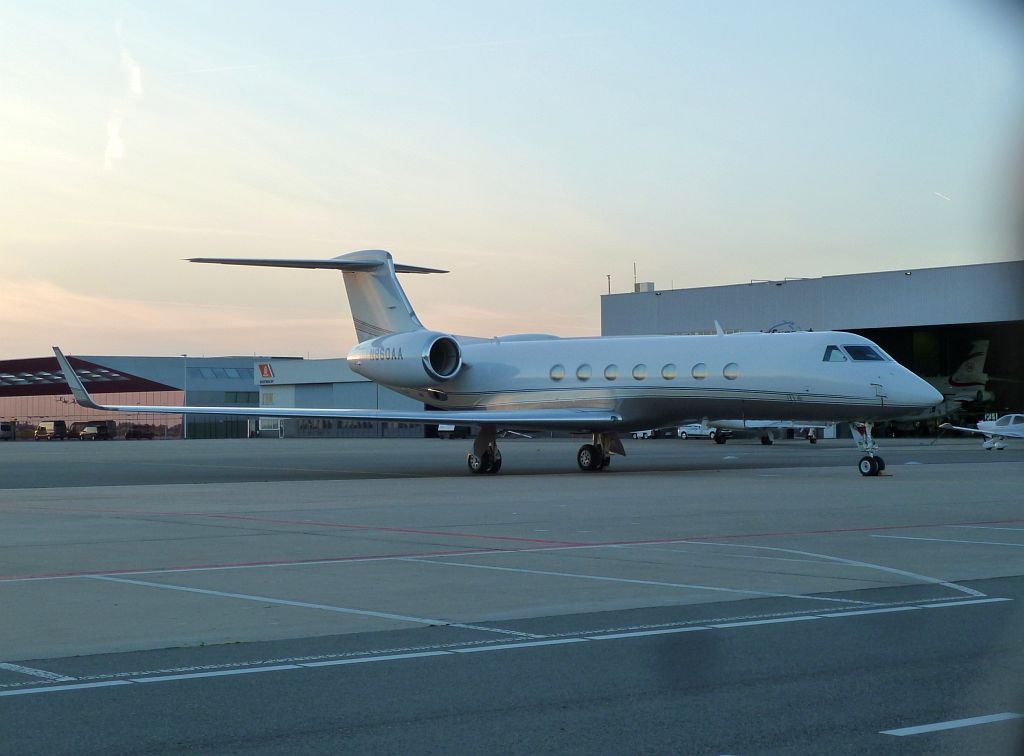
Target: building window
{"type": "Point", "coordinates": [583, 372]}
{"type": "Point", "coordinates": [731, 371]}
{"type": "Point", "coordinates": [639, 372]}
{"type": "Point", "coordinates": [669, 372]}
{"type": "Point", "coordinates": [557, 373]}
{"type": "Point", "coordinates": [699, 371]}
{"type": "Point", "coordinates": [611, 372]}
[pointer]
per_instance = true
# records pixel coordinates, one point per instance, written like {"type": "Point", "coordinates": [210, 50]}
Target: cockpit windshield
{"type": "Point", "coordinates": [833, 354]}
{"type": "Point", "coordinates": [863, 353]}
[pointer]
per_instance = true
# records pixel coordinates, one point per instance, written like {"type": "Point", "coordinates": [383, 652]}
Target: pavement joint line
{"type": "Point", "coordinates": [952, 540]}
{"type": "Point", "coordinates": [448, 649]}
{"type": "Point", "coordinates": [952, 724]}
{"type": "Point", "coordinates": [631, 581]}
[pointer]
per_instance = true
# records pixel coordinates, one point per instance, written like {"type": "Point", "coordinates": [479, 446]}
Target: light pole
{"type": "Point", "coordinates": [184, 397]}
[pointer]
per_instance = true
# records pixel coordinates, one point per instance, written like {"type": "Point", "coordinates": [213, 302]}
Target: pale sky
{"type": "Point", "coordinates": [531, 148]}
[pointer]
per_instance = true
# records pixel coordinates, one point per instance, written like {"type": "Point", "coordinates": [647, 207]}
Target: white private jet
{"type": "Point", "coordinates": [602, 386]}
{"type": "Point", "coordinates": [994, 431]}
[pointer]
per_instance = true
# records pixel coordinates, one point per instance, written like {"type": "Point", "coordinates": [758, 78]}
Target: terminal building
{"type": "Point", "coordinates": [928, 319]}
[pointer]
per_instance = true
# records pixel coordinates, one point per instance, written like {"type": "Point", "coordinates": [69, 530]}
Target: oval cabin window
{"type": "Point", "coordinates": [731, 371]}
{"type": "Point", "coordinates": [611, 372]}
{"type": "Point", "coordinates": [583, 372]}
{"type": "Point", "coordinates": [669, 372]}
{"type": "Point", "coordinates": [639, 372]}
{"type": "Point", "coordinates": [700, 371]}
{"type": "Point", "coordinates": [557, 373]}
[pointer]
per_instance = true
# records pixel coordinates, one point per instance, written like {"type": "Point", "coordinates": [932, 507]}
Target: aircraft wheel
{"type": "Point", "coordinates": [605, 462]}
{"type": "Point", "coordinates": [767, 440]}
{"type": "Point", "coordinates": [812, 439]}
{"type": "Point", "coordinates": [868, 466]}
{"type": "Point", "coordinates": [719, 438]}
{"type": "Point", "coordinates": [496, 464]}
{"type": "Point", "coordinates": [478, 465]}
{"type": "Point", "coordinates": [588, 458]}
{"type": "Point", "coordinates": [880, 462]}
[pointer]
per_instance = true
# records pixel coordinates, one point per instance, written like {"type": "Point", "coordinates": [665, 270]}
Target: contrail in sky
{"type": "Point", "coordinates": [940, 195]}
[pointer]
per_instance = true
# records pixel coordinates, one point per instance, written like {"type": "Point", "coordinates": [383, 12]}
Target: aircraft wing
{"type": "Point", "coordinates": [571, 419]}
{"type": "Point", "coordinates": [950, 426]}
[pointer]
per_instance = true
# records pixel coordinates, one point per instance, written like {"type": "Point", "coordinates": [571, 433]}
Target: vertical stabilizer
{"type": "Point", "coordinates": [379, 305]}
{"type": "Point", "coordinates": [971, 373]}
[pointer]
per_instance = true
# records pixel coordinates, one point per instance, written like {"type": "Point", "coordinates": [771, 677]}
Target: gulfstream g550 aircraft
{"type": "Point", "coordinates": [600, 386]}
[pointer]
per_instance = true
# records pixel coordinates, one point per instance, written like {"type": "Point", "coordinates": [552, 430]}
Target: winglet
{"type": "Point", "coordinates": [718, 329]}
{"type": "Point", "coordinates": [74, 382]}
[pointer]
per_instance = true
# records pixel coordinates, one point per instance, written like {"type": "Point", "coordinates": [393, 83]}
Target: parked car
{"type": "Point", "coordinates": [97, 432]}
{"type": "Point", "coordinates": [643, 434]}
{"type": "Point", "coordinates": [106, 429]}
{"type": "Point", "coordinates": [48, 430]}
{"type": "Point", "coordinates": [697, 430]}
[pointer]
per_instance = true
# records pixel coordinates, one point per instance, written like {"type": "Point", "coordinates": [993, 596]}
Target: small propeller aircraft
{"type": "Point", "coordinates": [994, 431]}
{"type": "Point", "coordinates": [602, 386]}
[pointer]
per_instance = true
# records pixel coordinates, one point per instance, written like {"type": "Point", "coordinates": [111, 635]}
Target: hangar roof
{"type": "Point", "coordinates": [990, 292]}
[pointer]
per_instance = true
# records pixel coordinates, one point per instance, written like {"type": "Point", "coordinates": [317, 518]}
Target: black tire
{"type": "Point", "coordinates": [719, 438]}
{"type": "Point", "coordinates": [868, 467]}
{"type": "Point", "coordinates": [682, 434]}
{"type": "Point", "coordinates": [767, 440]}
{"type": "Point", "coordinates": [495, 463]}
{"type": "Point", "coordinates": [587, 458]}
{"type": "Point", "coordinates": [880, 462]}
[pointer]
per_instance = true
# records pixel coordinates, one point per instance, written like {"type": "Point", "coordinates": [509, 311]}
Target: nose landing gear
{"type": "Point", "coordinates": [872, 464]}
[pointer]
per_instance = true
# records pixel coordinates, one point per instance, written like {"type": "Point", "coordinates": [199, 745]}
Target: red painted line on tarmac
{"type": "Point", "coordinates": [829, 531]}
{"type": "Point", "coordinates": [344, 526]}
{"type": "Point", "coordinates": [544, 544]}
{"type": "Point", "coordinates": [230, 565]}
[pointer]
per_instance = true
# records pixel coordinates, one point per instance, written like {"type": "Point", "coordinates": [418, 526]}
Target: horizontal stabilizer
{"type": "Point", "coordinates": [350, 262]}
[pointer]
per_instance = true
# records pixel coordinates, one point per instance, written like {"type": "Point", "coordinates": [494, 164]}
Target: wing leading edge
{"type": "Point", "coordinates": [582, 419]}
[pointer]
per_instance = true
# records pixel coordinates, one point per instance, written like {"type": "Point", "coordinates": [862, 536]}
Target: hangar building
{"type": "Point", "coordinates": [33, 390]}
{"type": "Point", "coordinates": [925, 318]}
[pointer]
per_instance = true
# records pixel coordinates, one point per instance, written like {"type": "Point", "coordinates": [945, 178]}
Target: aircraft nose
{"type": "Point", "coordinates": [923, 394]}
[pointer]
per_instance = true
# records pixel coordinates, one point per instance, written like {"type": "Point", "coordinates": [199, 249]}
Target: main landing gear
{"type": "Point", "coordinates": [485, 459]}
{"type": "Point", "coordinates": [597, 455]}
{"type": "Point", "coordinates": [872, 464]}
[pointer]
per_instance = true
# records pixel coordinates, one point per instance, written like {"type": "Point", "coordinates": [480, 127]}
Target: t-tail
{"type": "Point", "coordinates": [379, 305]}
{"type": "Point", "coordinates": [971, 373]}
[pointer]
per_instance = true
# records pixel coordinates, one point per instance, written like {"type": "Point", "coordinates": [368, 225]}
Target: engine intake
{"type": "Point", "coordinates": [410, 360]}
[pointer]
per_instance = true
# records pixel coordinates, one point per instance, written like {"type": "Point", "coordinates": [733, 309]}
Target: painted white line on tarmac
{"type": "Point", "coordinates": [222, 673]}
{"type": "Point", "coordinates": [367, 659]}
{"type": "Point", "coordinates": [531, 644]}
{"type": "Point", "coordinates": [776, 621]}
{"type": "Point", "coordinates": [32, 671]}
{"type": "Point", "coordinates": [982, 527]}
{"type": "Point", "coordinates": [632, 581]}
{"type": "Point", "coordinates": [872, 611]}
{"type": "Point", "coordinates": [965, 603]}
{"type": "Point", "coordinates": [852, 563]}
{"type": "Point", "coordinates": [57, 688]}
{"type": "Point", "coordinates": [644, 633]}
{"type": "Point", "coordinates": [950, 540]}
{"type": "Point", "coordinates": [300, 604]}
{"type": "Point", "coordinates": [953, 724]}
